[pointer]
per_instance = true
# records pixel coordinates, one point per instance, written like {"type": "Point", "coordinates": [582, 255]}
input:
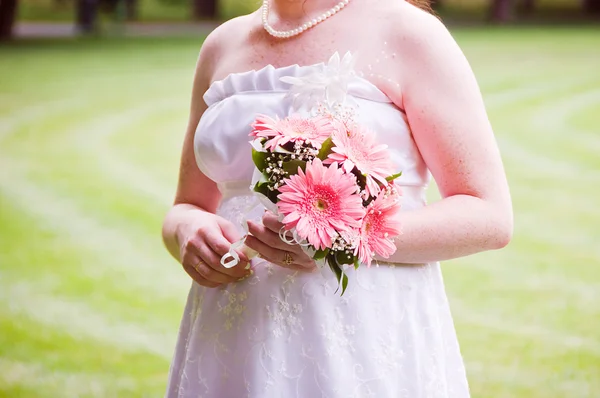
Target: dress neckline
{"type": "Point", "coordinates": [319, 65]}
{"type": "Point", "coordinates": [267, 79]}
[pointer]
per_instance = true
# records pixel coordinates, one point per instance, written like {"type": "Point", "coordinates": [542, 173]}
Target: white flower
{"type": "Point", "coordinates": [329, 86]}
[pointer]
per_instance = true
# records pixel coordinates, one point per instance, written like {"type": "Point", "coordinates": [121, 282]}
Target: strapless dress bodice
{"type": "Point", "coordinates": [221, 143]}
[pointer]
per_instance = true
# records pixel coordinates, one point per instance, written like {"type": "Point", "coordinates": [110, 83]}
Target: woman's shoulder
{"type": "Point", "coordinates": [224, 39]}
{"type": "Point", "coordinates": [421, 38]}
{"type": "Point", "coordinates": [224, 35]}
{"type": "Point", "coordinates": [409, 26]}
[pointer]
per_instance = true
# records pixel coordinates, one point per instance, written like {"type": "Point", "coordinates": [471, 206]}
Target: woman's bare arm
{"type": "Point", "coordinates": [195, 193]}
{"type": "Point", "coordinates": [191, 231]}
{"type": "Point", "coordinates": [450, 126]}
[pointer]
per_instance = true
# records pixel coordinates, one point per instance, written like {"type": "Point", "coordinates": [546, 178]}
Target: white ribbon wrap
{"type": "Point", "coordinates": [232, 258]}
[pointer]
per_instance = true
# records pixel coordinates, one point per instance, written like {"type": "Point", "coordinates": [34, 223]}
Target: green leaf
{"type": "Point", "coordinates": [325, 149]}
{"type": "Point", "coordinates": [336, 270]}
{"type": "Point", "coordinates": [356, 263]}
{"type": "Point", "coordinates": [321, 254]}
{"type": "Point", "coordinates": [263, 187]}
{"type": "Point", "coordinates": [344, 283]}
{"type": "Point", "coordinates": [393, 177]}
{"type": "Point", "coordinates": [341, 277]}
{"type": "Point", "coordinates": [291, 166]}
{"type": "Point", "coordinates": [342, 257]}
{"type": "Point", "coordinates": [260, 159]}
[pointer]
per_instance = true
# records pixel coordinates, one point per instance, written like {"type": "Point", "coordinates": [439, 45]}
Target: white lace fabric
{"type": "Point", "coordinates": [285, 334]}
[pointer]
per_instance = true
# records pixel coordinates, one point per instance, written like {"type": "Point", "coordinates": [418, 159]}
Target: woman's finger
{"type": "Point", "coordinates": [293, 266]}
{"type": "Point", "coordinates": [210, 274]}
{"type": "Point", "coordinates": [228, 230]}
{"type": "Point", "coordinates": [194, 274]}
{"type": "Point", "coordinates": [214, 261]}
{"type": "Point", "coordinates": [263, 249]}
{"type": "Point", "coordinates": [270, 221]}
{"type": "Point", "coordinates": [267, 236]}
{"type": "Point", "coordinates": [212, 246]}
{"type": "Point", "coordinates": [196, 250]}
{"type": "Point", "coordinates": [197, 263]}
{"type": "Point", "coordinates": [220, 245]}
{"type": "Point", "coordinates": [277, 256]}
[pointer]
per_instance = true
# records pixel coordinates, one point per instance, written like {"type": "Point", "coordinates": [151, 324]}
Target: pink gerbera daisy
{"type": "Point", "coordinates": [292, 129]}
{"type": "Point", "coordinates": [357, 148]}
{"type": "Point", "coordinates": [379, 226]}
{"type": "Point", "coordinates": [320, 203]}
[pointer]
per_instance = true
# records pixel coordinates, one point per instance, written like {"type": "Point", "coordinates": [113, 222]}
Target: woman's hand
{"type": "Point", "coordinates": [203, 242]}
{"type": "Point", "coordinates": [266, 241]}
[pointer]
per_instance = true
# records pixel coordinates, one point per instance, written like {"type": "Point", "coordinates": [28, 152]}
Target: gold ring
{"type": "Point", "coordinates": [197, 265]}
{"type": "Point", "coordinates": [288, 259]}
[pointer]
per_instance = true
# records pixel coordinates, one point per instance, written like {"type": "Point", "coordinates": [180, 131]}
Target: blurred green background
{"type": "Point", "coordinates": [90, 135]}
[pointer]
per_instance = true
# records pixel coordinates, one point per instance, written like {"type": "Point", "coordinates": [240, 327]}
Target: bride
{"type": "Point", "coordinates": [272, 326]}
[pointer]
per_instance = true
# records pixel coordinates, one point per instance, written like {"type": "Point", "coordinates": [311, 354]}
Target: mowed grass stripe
{"type": "Point", "coordinates": [105, 250]}
{"type": "Point", "coordinates": [540, 367]}
{"type": "Point", "coordinates": [145, 199]}
{"type": "Point", "coordinates": [72, 365]}
{"type": "Point", "coordinates": [553, 123]}
{"type": "Point", "coordinates": [93, 142]}
{"type": "Point", "coordinates": [80, 320]}
{"type": "Point", "coordinates": [58, 268]}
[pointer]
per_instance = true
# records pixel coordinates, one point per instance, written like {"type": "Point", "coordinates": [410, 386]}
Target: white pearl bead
{"type": "Point", "coordinates": [304, 27]}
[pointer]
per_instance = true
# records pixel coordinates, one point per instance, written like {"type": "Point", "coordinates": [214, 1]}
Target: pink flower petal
{"type": "Point", "coordinates": [320, 203]}
{"type": "Point", "coordinates": [379, 226]}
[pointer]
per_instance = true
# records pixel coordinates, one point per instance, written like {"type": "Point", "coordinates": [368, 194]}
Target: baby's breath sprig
{"type": "Point", "coordinates": [304, 151]}
{"type": "Point", "coordinates": [339, 112]}
{"type": "Point", "coordinates": [343, 244]}
{"type": "Point", "coordinates": [390, 190]}
{"type": "Point", "coordinates": [275, 171]}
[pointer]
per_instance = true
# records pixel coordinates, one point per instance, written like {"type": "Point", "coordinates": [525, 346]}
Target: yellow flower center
{"type": "Point", "coordinates": [321, 204]}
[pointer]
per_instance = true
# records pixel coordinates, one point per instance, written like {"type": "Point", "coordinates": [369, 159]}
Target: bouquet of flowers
{"type": "Point", "coordinates": [330, 183]}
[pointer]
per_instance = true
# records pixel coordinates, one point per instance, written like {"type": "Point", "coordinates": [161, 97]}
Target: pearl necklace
{"type": "Point", "coordinates": [294, 32]}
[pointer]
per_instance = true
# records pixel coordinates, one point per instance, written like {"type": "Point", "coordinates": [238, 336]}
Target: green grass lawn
{"type": "Point", "coordinates": [148, 10]}
{"type": "Point", "coordinates": [90, 133]}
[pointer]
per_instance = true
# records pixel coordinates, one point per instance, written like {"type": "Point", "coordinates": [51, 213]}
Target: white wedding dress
{"type": "Point", "coordinates": [282, 334]}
